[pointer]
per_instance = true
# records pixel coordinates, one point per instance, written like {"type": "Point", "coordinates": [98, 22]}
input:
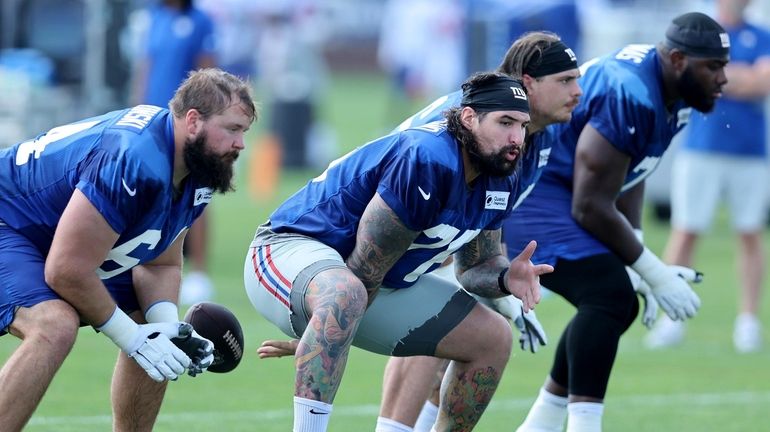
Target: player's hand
{"type": "Point", "coordinates": [531, 333]}
{"type": "Point", "coordinates": [156, 354]}
{"type": "Point", "coordinates": [650, 313]}
{"type": "Point", "coordinates": [149, 344]}
{"type": "Point", "coordinates": [668, 285]}
{"type": "Point", "coordinates": [199, 349]}
{"type": "Point", "coordinates": [523, 277]}
{"type": "Point", "coordinates": [277, 349]}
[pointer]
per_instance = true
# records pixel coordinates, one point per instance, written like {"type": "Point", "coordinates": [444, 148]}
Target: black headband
{"type": "Point", "coordinates": [698, 35]}
{"type": "Point", "coordinates": [558, 57]}
{"type": "Point", "coordinates": [499, 94]}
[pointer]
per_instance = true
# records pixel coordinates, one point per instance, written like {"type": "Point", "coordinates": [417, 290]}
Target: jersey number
{"type": "Point", "coordinates": [36, 146]}
{"type": "Point", "coordinates": [120, 255]}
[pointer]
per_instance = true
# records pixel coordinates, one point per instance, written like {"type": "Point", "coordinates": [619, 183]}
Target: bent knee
{"type": "Point", "coordinates": [339, 290]}
{"type": "Point", "coordinates": [54, 322]}
{"type": "Point", "coordinates": [495, 335]}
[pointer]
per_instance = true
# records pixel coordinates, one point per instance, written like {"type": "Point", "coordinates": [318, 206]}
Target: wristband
{"type": "Point", "coordinates": [501, 282]}
{"type": "Point", "coordinates": [162, 311]}
{"type": "Point", "coordinates": [120, 328]}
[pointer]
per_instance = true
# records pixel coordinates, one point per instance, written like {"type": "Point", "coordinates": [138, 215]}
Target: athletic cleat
{"type": "Point", "coordinates": [666, 333]}
{"type": "Point", "coordinates": [747, 335]}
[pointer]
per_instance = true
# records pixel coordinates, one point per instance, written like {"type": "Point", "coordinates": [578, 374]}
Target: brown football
{"type": "Point", "coordinates": [217, 324]}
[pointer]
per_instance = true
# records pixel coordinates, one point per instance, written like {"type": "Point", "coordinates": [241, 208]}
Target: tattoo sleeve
{"type": "Point", "coordinates": [479, 263]}
{"type": "Point", "coordinates": [381, 240]}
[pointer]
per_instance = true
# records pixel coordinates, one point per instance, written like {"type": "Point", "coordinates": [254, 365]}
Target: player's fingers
{"type": "Point", "coordinates": [526, 254]}
{"type": "Point", "coordinates": [541, 269]}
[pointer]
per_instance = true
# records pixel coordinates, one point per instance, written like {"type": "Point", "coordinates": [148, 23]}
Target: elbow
{"type": "Point", "coordinates": [59, 277]}
{"type": "Point", "coordinates": [584, 211]}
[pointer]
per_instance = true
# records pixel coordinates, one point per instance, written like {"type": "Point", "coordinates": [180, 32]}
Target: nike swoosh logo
{"type": "Point", "coordinates": [425, 196]}
{"type": "Point", "coordinates": [313, 411]}
{"type": "Point", "coordinates": [632, 130]}
{"type": "Point", "coordinates": [131, 192]}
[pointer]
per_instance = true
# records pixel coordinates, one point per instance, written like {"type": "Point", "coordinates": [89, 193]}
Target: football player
{"type": "Point", "coordinates": [346, 259]}
{"type": "Point", "coordinates": [588, 202]}
{"type": "Point", "coordinates": [92, 219]}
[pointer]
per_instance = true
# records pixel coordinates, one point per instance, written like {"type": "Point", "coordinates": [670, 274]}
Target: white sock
{"type": "Point", "coordinates": [427, 418]}
{"type": "Point", "coordinates": [547, 414]}
{"type": "Point", "coordinates": [311, 415]}
{"type": "Point", "coordinates": [585, 417]}
{"type": "Point", "coordinates": [388, 425]}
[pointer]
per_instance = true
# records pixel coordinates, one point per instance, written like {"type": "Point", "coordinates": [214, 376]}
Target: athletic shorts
{"type": "Point", "coordinates": [22, 279]}
{"type": "Point", "coordinates": [399, 322]}
{"type": "Point", "coordinates": [700, 180]}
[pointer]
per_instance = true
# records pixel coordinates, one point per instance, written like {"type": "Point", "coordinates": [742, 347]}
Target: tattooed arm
{"type": "Point", "coordinates": [381, 240]}
{"type": "Point", "coordinates": [479, 263]}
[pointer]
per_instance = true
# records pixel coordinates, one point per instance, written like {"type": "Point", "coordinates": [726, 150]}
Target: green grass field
{"type": "Point", "coordinates": [701, 386]}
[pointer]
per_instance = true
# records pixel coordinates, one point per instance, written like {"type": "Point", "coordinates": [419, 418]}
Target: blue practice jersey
{"type": "Point", "coordinates": [123, 163]}
{"type": "Point", "coordinates": [531, 164]}
{"type": "Point", "coordinates": [735, 126]}
{"type": "Point", "coordinates": [419, 173]}
{"type": "Point", "coordinates": [623, 100]}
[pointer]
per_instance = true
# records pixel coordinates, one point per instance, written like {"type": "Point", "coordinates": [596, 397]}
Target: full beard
{"type": "Point", "coordinates": [208, 168]}
{"type": "Point", "coordinates": [693, 94]}
{"type": "Point", "coordinates": [493, 165]}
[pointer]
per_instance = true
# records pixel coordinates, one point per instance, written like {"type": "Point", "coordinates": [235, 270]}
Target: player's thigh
{"type": "Point", "coordinates": [277, 272]}
{"type": "Point", "coordinates": [696, 183]}
{"type": "Point", "coordinates": [412, 321]}
{"type": "Point", "coordinates": [482, 332]}
{"type": "Point", "coordinates": [23, 286]}
{"type": "Point", "coordinates": [747, 193]}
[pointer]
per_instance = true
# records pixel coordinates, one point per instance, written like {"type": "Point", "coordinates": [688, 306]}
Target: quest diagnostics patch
{"type": "Point", "coordinates": [496, 200]}
{"type": "Point", "coordinates": [203, 196]}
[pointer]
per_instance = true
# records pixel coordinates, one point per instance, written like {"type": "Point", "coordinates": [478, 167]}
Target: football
{"type": "Point", "coordinates": [217, 324]}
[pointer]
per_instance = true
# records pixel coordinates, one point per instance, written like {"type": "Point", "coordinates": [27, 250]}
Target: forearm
{"type": "Point", "coordinates": [85, 292]}
{"type": "Point", "coordinates": [483, 279]}
{"type": "Point", "coordinates": [611, 228]}
{"type": "Point", "coordinates": [156, 283]}
{"type": "Point", "coordinates": [479, 264]}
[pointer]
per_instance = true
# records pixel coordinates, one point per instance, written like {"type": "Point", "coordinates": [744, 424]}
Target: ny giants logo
{"type": "Point", "coordinates": [518, 93]}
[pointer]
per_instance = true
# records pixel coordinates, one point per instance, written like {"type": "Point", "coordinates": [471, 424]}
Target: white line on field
{"type": "Point", "coordinates": [687, 399]}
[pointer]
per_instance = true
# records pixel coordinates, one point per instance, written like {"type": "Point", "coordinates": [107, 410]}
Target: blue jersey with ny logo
{"type": "Point", "coordinates": [123, 163]}
{"type": "Point", "coordinates": [419, 173]}
{"type": "Point", "coordinates": [623, 99]}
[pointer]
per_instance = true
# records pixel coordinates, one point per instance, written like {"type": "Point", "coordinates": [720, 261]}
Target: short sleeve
{"type": "Point", "coordinates": [114, 182]}
{"type": "Point", "coordinates": [623, 120]}
{"type": "Point", "coordinates": [410, 185]}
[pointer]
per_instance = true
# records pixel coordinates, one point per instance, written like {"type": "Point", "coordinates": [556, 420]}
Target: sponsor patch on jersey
{"type": "Point", "coordinates": [203, 196]}
{"type": "Point", "coordinates": [496, 200]}
{"type": "Point", "coordinates": [138, 117]}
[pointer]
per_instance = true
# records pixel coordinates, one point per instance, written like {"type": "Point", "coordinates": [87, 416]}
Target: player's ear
{"type": "Point", "coordinates": [527, 80]}
{"type": "Point", "coordinates": [466, 117]}
{"type": "Point", "coordinates": [193, 121]}
{"type": "Point", "coordinates": [678, 60]}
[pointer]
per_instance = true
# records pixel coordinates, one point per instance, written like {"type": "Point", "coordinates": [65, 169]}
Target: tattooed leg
{"type": "Point", "coordinates": [336, 300]}
{"type": "Point", "coordinates": [479, 347]}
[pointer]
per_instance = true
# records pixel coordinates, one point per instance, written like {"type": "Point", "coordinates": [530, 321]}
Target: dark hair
{"type": "Point", "coordinates": [483, 79]}
{"type": "Point", "coordinates": [454, 123]}
{"type": "Point", "coordinates": [210, 92]}
{"type": "Point", "coordinates": [527, 52]}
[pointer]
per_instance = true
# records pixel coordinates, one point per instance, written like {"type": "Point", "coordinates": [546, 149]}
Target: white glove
{"type": "Point", "coordinates": [149, 344]}
{"type": "Point", "coordinates": [199, 349]}
{"type": "Point", "coordinates": [650, 313]}
{"type": "Point", "coordinates": [532, 336]}
{"type": "Point", "coordinates": [668, 285]}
